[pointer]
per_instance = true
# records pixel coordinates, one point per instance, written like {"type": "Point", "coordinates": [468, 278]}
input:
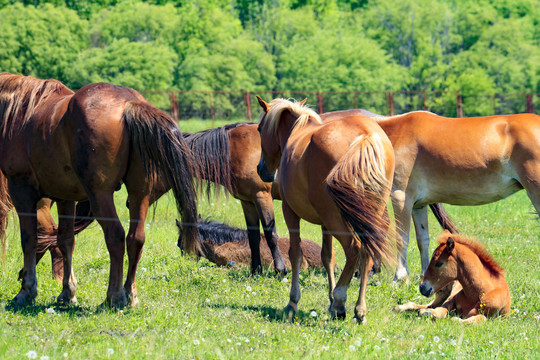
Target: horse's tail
{"type": "Point", "coordinates": [359, 187]}
{"type": "Point", "coordinates": [212, 159]}
{"type": "Point", "coordinates": [5, 208]}
{"type": "Point", "coordinates": [442, 217]}
{"type": "Point", "coordinates": [164, 152]}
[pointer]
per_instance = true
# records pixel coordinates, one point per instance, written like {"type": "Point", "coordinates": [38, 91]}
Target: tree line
{"type": "Point", "coordinates": [481, 47]}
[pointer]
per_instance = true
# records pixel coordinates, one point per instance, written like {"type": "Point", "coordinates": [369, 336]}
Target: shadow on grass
{"type": "Point", "coordinates": [73, 311]}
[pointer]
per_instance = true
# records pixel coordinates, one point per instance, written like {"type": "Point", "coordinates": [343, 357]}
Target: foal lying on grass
{"type": "Point", "coordinates": [226, 245]}
{"type": "Point", "coordinates": [482, 289]}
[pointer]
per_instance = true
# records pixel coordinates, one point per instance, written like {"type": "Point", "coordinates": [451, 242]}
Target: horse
{"type": "Point", "coordinates": [338, 175]}
{"type": "Point", "coordinates": [458, 161]}
{"type": "Point", "coordinates": [75, 146]}
{"type": "Point", "coordinates": [483, 290]}
{"type": "Point", "coordinates": [226, 245]}
{"type": "Point", "coordinates": [229, 156]}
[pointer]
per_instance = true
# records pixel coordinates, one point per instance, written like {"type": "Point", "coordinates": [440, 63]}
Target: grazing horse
{"type": "Point", "coordinates": [74, 146]}
{"type": "Point", "coordinates": [483, 291]}
{"type": "Point", "coordinates": [465, 161]}
{"type": "Point", "coordinates": [338, 175]}
{"type": "Point", "coordinates": [223, 245]}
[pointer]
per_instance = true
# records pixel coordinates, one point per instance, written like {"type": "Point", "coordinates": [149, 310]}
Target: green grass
{"type": "Point", "coordinates": [192, 309]}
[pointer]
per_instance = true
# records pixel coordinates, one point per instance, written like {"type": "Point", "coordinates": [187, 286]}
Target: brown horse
{"type": "Point", "coordinates": [75, 146]}
{"type": "Point", "coordinates": [226, 245]}
{"type": "Point", "coordinates": [229, 156]}
{"type": "Point", "coordinates": [467, 161]}
{"type": "Point", "coordinates": [337, 175]}
{"type": "Point", "coordinates": [483, 291]}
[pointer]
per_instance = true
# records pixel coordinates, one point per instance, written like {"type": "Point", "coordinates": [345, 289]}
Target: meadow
{"type": "Point", "coordinates": [194, 309]}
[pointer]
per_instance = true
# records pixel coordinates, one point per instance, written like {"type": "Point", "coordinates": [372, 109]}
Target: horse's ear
{"type": "Point", "coordinates": [263, 104]}
{"type": "Point", "coordinates": [301, 103]}
{"type": "Point", "coordinates": [450, 244]}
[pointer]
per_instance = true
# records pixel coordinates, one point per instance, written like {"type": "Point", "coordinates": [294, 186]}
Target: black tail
{"type": "Point", "coordinates": [164, 152]}
{"type": "Point", "coordinates": [442, 217]}
{"type": "Point", "coordinates": [5, 208]}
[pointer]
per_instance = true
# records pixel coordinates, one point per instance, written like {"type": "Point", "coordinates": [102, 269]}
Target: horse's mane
{"type": "Point", "coordinates": [219, 233]}
{"type": "Point", "coordinates": [212, 157]}
{"type": "Point", "coordinates": [300, 111]}
{"type": "Point", "coordinates": [382, 117]}
{"type": "Point", "coordinates": [487, 260]}
{"type": "Point", "coordinates": [19, 97]}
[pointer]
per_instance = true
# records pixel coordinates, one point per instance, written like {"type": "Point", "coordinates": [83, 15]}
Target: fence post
{"type": "Point", "coordinates": [174, 106]}
{"type": "Point", "coordinates": [530, 107]}
{"type": "Point", "coordinates": [425, 106]}
{"type": "Point", "coordinates": [320, 101]}
{"type": "Point", "coordinates": [390, 103]}
{"type": "Point", "coordinates": [247, 101]}
{"type": "Point", "coordinates": [459, 105]}
{"type": "Point", "coordinates": [211, 108]}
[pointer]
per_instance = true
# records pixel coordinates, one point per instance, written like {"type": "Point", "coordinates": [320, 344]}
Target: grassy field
{"type": "Point", "coordinates": [192, 309]}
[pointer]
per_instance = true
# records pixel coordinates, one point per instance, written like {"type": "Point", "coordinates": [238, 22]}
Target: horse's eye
{"type": "Point", "coordinates": [438, 264]}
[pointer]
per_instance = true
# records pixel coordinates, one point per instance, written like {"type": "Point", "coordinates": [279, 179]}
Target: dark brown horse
{"type": "Point", "coordinates": [337, 174]}
{"type": "Point", "coordinates": [226, 245]}
{"type": "Point", "coordinates": [76, 146]}
{"type": "Point", "coordinates": [228, 156]}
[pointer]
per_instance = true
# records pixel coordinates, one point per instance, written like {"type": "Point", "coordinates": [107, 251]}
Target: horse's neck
{"type": "Point", "coordinates": [472, 274]}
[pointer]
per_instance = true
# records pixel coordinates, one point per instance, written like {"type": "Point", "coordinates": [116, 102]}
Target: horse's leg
{"type": "Point", "coordinates": [66, 242]}
{"type": "Point", "coordinates": [402, 213]}
{"type": "Point", "coordinates": [138, 209]}
{"type": "Point", "coordinates": [420, 219]}
{"type": "Point", "coordinates": [352, 256]}
{"type": "Point", "coordinates": [360, 309]}
{"type": "Point", "coordinates": [25, 199]}
{"type": "Point", "coordinates": [328, 261]}
{"type": "Point", "coordinates": [102, 204]}
{"type": "Point", "coordinates": [265, 210]}
{"type": "Point", "coordinates": [254, 235]}
{"type": "Point", "coordinates": [295, 256]}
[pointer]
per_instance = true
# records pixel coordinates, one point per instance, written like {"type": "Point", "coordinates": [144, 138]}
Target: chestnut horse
{"type": "Point", "coordinates": [226, 245]}
{"type": "Point", "coordinates": [483, 291]}
{"type": "Point", "coordinates": [466, 161]}
{"type": "Point", "coordinates": [76, 146]}
{"type": "Point", "coordinates": [338, 175]}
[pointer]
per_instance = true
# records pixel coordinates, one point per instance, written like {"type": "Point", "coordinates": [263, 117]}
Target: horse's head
{"type": "Point", "coordinates": [271, 151]}
{"type": "Point", "coordinates": [443, 266]}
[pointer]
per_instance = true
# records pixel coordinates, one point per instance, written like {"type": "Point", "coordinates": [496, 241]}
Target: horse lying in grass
{"type": "Point", "coordinates": [482, 289]}
{"type": "Point", "coordinates": [226, 245]}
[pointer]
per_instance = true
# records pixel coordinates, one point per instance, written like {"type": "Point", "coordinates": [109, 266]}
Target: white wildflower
{"type": "Point", "coordinates": [31, 354]}
{"type": "Point", "coordinates": [352, 348]}
{"type": "Point", "coordinates": [110, 351]}
{"type": "Point", "coordinates": [50, 311]}
{"type": "Point", "coordinates": [436, 339]}
{"type": "Point", "coordinates": [313, 313]}
{"type": "Point", "coordinates": [196, 342]}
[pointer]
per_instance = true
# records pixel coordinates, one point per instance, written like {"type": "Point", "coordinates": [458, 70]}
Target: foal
{"type": "Point", "coordinates": [483, 291]}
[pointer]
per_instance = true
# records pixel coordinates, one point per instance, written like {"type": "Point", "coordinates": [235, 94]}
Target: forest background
{"type": "Point", "coordinates": [475, 47]}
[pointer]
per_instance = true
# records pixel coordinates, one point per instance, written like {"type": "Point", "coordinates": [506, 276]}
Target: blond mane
{"type": "Point", "coordinates": [19, 97]}
{"type": "Point", "coordinates": [382, 117]}
{"type": "Point", "coordinates": [487, 260]}
{"type": "Point", "coordinates": [298, 110]}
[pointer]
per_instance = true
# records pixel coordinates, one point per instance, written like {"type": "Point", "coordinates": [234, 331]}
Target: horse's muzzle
{"type": "Point", "coordinates": [426, 289]}
{"type": "Point", "coordinates": [264, 173]}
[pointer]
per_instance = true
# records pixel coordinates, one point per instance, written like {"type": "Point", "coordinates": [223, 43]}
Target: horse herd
{"type": "Point", "coordinates": [337, 170]}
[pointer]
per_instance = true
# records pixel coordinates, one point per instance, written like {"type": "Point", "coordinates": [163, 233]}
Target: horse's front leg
{"type": "Point", "coordinates": [25, 199]}
{"type": "Point", "coordinates": [420, 219]}
{"type": "Point", "coordinates": [254, 236]}
{"type": "Point", "coordinates": [138, 209]}
{"type": "Point", "coordinates": [328, 261]}
{"type": "Point", "coordinates": [66, 242]}
{"type": "Point", "coordinates": [265, 210]}
{"type": "Point", "coordinates": [295, 256]}
{"type": "Point", "coordinates": [402, 213]}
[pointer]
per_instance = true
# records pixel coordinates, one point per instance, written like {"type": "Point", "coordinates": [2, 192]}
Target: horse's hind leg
{"type": "Point", "coordinates": [327, 258]}
{"type": "Point", "coordinates": [102, 204]}
{"type": "Point", "coordinates": [295, 256]}
{"type": "Point", "coordinates": [254, 235]}
{"type": "Point", "coordinates": [402, 213]}
{"type": "Point", "coordinates": [138, 209]}
{"type": "Point", "coordinates": [265, 210]}
{"type": "Point", "coordinates": [66, 242]}
{"type": "Point", "coordinates": [360, 309]}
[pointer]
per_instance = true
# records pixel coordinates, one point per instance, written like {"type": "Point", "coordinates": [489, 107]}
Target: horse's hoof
{"type": "Point", "coordinates": [360, 320]}
{"type": "Point", "coordinates": [22, 300]}
{"type": "Point", "coordinates": [64, 300]}
{"type": "Point", "coordinates": [133, 301]}
{"type": "Point", "coordinates": [338, 312]}
{"type": "Point", "coordinates": [425, 312]}
{"type": "Point", "coordinates": [290, 312]}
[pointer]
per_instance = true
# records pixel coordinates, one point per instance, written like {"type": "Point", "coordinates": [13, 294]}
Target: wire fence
{"type": "Point", "coordinates": [242, 105]}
